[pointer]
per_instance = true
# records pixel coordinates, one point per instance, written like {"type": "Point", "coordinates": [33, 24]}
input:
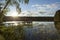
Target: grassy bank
{"type": "Point", "coordinates": [10, 33]}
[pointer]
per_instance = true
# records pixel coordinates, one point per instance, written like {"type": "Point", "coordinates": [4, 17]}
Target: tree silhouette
{"type": "Point", "coordinates": [57, 20]}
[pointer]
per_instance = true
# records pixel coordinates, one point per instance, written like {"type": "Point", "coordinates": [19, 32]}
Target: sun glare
{"type": "Point", "coordinates": [14, 14]}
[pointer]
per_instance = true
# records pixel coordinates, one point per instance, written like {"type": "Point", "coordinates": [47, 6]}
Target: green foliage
{"type": "Point", "coordinates": [12, 32]}
{"type": "Point", "coordinates": [26, 1]}
{"type": "Point", "coordinates": [57, 20]}
{"type": "Point", "coordinates": [1, 37]}
{"type": "Point", "coordinates": [16, 3]}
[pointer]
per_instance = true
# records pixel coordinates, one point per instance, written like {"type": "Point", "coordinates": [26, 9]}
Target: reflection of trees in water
{"type": "Point", "coordinates": [39, 32]}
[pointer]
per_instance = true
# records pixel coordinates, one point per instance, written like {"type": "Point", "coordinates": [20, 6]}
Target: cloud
{"type": "Point", "coordinates": [48, 8]}
{"type": "Point", "coordinates": [29, 13]}
{"type": "Point", "coordinates": [32, 13]}
{"type": "Point", "coordinates": [54, 5]}
{"type": "Point", "coordinates": [42, 10]}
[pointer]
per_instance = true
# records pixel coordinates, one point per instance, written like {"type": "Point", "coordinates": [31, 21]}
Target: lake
{"type": "Point", "coordinates": [40, 31]}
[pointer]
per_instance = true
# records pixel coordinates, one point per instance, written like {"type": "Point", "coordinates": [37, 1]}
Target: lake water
{"type": "Point", "coordinates": [41, 31]}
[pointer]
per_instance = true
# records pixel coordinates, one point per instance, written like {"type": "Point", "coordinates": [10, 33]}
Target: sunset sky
{"type": "Point", "coordinates": [37, 8]}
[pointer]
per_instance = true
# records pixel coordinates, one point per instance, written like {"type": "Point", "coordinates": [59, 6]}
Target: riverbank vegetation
{"type": "Point", "coordinates": [11, 33]}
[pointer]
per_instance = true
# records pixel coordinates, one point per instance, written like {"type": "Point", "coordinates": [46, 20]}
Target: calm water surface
{"type": "Point", "coordinates": [41, 31]}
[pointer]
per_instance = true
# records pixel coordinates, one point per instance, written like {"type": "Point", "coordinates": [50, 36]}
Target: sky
{"type": "Point", "coordinates": [37, 8]}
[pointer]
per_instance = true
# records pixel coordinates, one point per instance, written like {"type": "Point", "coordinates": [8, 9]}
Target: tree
{"type": "Point", "coordinates": [57, 20]}
{"type": "Point", "coordinates": [16, 3]}
{"type": "Point", "coordinates": [11, 2]}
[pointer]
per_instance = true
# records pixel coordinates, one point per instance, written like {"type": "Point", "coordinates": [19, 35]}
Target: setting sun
{"type": "Point", "coordinates": [14, 14]}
